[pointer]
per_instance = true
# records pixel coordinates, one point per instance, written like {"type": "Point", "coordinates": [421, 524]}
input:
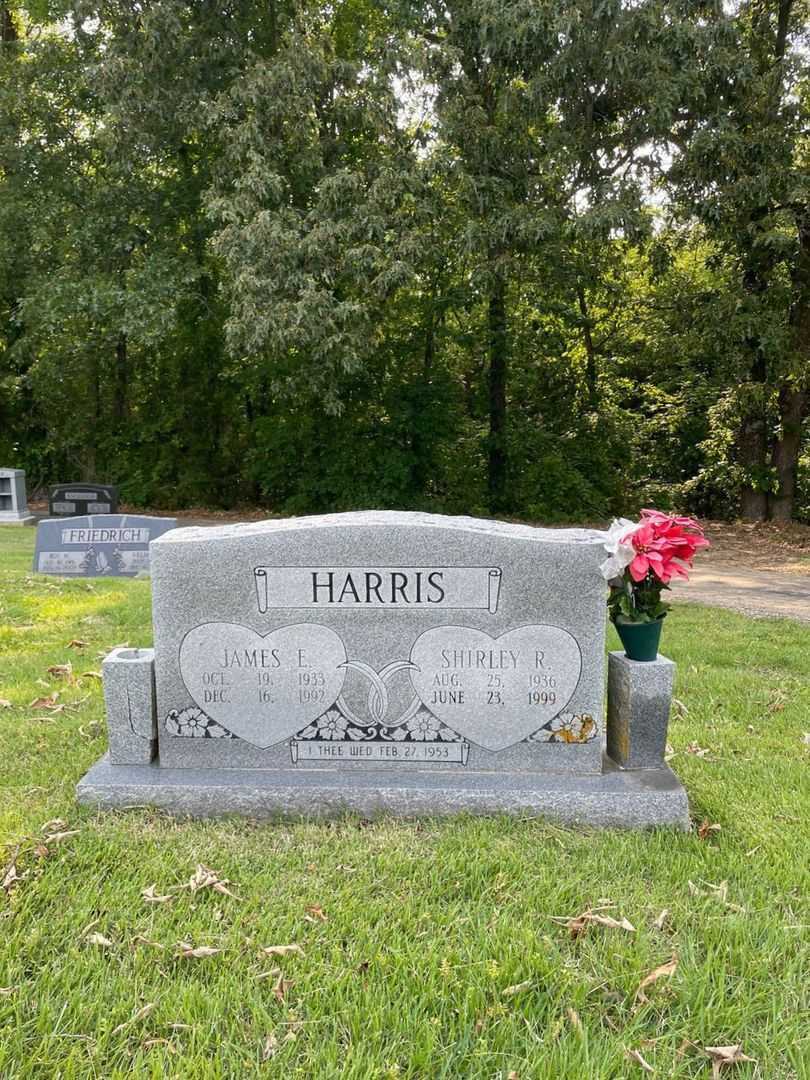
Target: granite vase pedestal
{"type": "Point", "coordinates": [372, 663]}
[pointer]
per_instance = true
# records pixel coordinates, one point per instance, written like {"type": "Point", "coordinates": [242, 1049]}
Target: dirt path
{"type": "Point", "coordinates": [759, 593]}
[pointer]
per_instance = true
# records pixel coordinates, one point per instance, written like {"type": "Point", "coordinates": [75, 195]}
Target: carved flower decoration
{"type": "Point", "coordinates": [191, 722]}
{"type": "Point", "coordinates": [332, 725]}
{"type": "Point", "coordinates": [573, 728]}
{"type": "Point", "coordinates": [423, 726]}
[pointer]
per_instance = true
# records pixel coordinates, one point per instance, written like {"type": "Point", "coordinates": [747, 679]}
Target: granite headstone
{"type": "Point", "coordinates": [13, 502]}
{"type": "Point", "coordinates": [99, 545]}
{"type": "Point", "coordinates": [405, 662]}
{"type": "Point", "coordinates": [76, 500]}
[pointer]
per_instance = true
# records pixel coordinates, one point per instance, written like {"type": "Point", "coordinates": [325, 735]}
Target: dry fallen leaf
{"type": "Point", "coordinates": [698, 751]}
{"type": "Point", "coordinates": [725, 1055]}
{"type": "Point", "coordinates": [200, 952]}
{"type": "Point", "coordinates": [91, 675]}
{"type": "Point", "coordinates": [98, 939]}
{"type": "Point", "coordinates": [662, 918]}
{"type": "Point", "coordinates": [518, 988]}
{"type": "Point", "coordinates": [282, 950]}
{"type": "Point", "coordinates": [613, 924]}
{"type": "Point", "coordinates": [9, 875]}
{"type": "Point", "coordinates": [141, 1014]}
{"type": "Point", "coordinates": [635, 1055]}
{"type": "Point", "coordinates": [805, 736]}
{"type": "Point", "coordinates": [316, 912]}
{"type": "Point", "coordinates": [147, 1044]}
{"type": "Point", "coordinates": [77, 643]}
{"type": "Point", "coordinates": [574, 1021]}
{"type": "Point", "coordinates": [706, 828]}
{"type": "Point", "coordinates": [5, 703]}
{"type": "Point", "coordinates": [150, 895]}
{"type": "Point", "coordinates": [56, 824]}
{"type": "Point", "coordinates": [61, 671]}
{"type": "Point", "coordinates": [578, 924]}
{"type": "Point", "coordinates": [58, 837]}
{"type": "Point", "coordinates": [206, 878]}
{"type": "Point", "coordinates": [663, 971]}
{"type": "Point", "coordinates": [140, 939]}
{"type": "Point", "coordinates": [273, 973]}
{"type": "Point", "coordinates": [717, 892]}
{"type": "Point", "coordinates": [280, 987]}
{"type": "Point", "coordinates": [47, 703]}
{"type": "Point", "coordinates": [269, 1047]}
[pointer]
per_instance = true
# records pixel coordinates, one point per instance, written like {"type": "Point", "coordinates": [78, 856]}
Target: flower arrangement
{"type": "Point", "coordinates": [643, 558]}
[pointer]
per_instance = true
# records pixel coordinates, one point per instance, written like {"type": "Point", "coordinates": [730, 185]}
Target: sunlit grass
{"type": "Point", "coordinates": [430, 926]}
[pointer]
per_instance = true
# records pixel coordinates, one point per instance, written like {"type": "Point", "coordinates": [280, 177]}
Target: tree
{"type": "Point", "coordinates": [742, 171]}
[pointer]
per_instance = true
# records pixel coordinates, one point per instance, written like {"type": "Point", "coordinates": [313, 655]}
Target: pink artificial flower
{"type": "Point", "coordinates": [649, 553]}
{"type": "Point", "coordinates": [663, 546]}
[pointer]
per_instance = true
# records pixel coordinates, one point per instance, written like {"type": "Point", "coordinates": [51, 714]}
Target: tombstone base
{"type": "Point", "coordinates": [17, 519]}
{"type": "Point", "coordinates": [612, 798]}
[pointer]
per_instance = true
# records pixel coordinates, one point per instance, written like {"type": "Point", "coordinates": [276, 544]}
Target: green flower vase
{"type": "Point", "coordinates": [640, 639]}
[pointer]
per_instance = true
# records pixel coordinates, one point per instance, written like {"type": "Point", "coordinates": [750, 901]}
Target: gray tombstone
{"type": "Point", "coordinates": [76, 500]}
{"type": "Point", "coordinates": [100, 545]}
{"type": "Point", "coordinates": [13, 502]}
{"type": "Point", "coordinates": [399, 662]}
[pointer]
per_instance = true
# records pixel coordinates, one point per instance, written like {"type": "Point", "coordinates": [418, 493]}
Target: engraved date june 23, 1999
{"type": "Point", "coordinates": [495, 691]}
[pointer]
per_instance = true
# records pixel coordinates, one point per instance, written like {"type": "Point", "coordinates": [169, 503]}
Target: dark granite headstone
{"type": "Point", "coordinates": [98, 545]}
{"type": "Point", "coordinates": [70, 500]}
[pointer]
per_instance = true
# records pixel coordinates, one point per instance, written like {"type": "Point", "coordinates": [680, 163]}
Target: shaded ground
{"type": "Point", "coordinates": [758, 569]}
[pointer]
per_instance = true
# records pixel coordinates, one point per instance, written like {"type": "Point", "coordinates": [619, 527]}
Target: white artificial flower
{"type": "Point", "coordinates": [621, 554]}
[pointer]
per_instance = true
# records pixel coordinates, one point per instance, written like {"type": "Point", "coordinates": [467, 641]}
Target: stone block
{"type": "Point", "coordinates": [129, 697]}
{"type": "Point", "coordinates": [639, 699]}
{"type": "Point", "coordinates": [13, 499]}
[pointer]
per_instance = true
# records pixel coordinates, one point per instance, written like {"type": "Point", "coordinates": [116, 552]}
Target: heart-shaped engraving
{"type": "Point", "coordinates": [263, 689]}
{"type": "Point", "coordinates": [495, 691]}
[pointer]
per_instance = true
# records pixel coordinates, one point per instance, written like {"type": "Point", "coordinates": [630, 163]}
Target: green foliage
{"type": "Point", "coordinates": [370, 254]}
{"type": "Point", "coordinates": [636, 601]}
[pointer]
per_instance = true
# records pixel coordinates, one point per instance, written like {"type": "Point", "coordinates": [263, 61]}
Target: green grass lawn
{"type": "Point", "coordinates": [430, 951]}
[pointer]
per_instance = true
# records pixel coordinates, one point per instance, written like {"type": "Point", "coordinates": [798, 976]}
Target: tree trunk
{"type": "Point", "coordinates": [420, 471]}
{"type": "Point", "coordinates": [794, 398]}
{"type": "Point", "coordinates": [590, 353]}
{"type": "Point", "coordinates": [498, 465]}
{"type": "Point", "coordinates": [121, 379]}
{"type": "Point", "coordinates": [786, 450]}
{"type": "Point", "coordinates": [8, 29]}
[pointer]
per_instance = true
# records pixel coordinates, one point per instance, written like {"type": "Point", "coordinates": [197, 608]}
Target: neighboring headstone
{"type": "Point", "coordinates": [399, 662]}
{"type": "Point", "coordinates": [101, 545]}
{"type": "Point", "coordinates": [13, 502]}
{"type": "Point", "coordinates": [76, 500]}
{"type": "Point", "coordinates": [639, 697]}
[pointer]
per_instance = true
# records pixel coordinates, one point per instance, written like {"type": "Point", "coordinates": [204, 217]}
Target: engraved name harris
{"type": "Point", "coordinates": [378, 587]}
